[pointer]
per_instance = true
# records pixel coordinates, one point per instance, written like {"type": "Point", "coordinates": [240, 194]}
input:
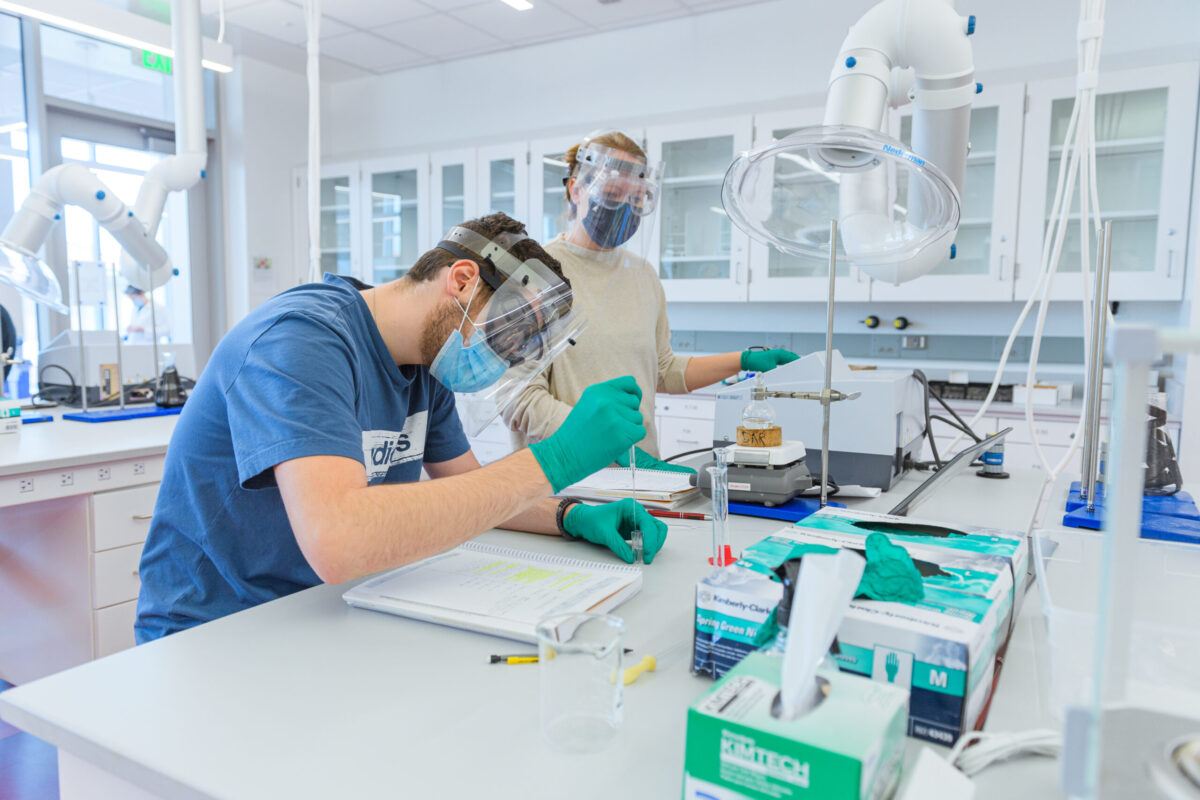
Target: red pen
{"type": "Point", "coordinates": [658, 512]}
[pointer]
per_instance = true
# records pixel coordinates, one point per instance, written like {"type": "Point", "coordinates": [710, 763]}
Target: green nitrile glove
{"type": "Point", "coordinates": [604, 423]}
{"type": "Point", "coordinates": [890, 573]}
{"type": "Point", "coordinates": [766, 360]}
{"type": "Point", "coordinates": [612, 524]}
{"type": "Point", "coordinates": [643, 460]}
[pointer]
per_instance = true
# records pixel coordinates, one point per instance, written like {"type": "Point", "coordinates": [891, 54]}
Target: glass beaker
{"type": "Point", "coordinates": [580, 660]}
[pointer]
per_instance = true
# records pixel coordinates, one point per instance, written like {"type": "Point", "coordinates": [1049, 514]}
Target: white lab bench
{"type": "Point", "coordinates": [75, 506]}
{"type": "Point", "coordinates": [304, 697]}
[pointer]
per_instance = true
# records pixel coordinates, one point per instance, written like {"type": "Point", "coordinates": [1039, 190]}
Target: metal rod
{"type": "Point", "coordinates": [1098, 366]}
{"type": "Point", "coordinates": [117, 328]}
{"type": "Point", "coordinates": [79, 324]}
{"type": "Point", "coordinates": [154, 336]}
{"type": "Point", "coordinates": [1095, 350]}
{"type": "Point", "coordinates": [826, 393]}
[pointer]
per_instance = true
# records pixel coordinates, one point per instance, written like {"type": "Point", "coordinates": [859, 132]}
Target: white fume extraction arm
{"type": "Point", "coordinates": [145, 263]}
{"type": "Point", "coordinates": [897, 209]}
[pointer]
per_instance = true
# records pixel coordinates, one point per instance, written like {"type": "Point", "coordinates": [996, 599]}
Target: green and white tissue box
{"type": "Point", "coordinates": [849, 747]}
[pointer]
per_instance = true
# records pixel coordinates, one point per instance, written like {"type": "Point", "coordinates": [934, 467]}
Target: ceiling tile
{"type": "Point", "coordinates": [371, 52]}
{"type": "Point", "coordinates": [333, 69]}
{"type": "Point", "coordinates": [441, 36]}
{"type": "Point", "coordinates": [543, 21]}
{"type": "Point", "coordinates": [451, 5]}
{"type": "Point", "coordinates": [369, 14]}
{"type": "Point", "coordinates": [280, 20]}
{"type": "Point", "coordinates": [620, 12]}
{"type": "Point", "coordinates": [214, 6]}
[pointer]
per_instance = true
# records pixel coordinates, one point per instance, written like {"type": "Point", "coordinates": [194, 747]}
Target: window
{"type": "Point", "coordinates": [95, 73]}
{"type": "Point", "coordinates": [14, 187]}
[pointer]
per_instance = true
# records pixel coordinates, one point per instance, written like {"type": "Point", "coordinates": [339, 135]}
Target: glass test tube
{"type": "Point", "coordinates": [635, 536]}
{"type": "Point", "coordinates": [719, 479]}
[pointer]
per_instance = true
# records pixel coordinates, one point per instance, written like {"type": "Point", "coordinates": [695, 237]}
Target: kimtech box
{"type": "Point", "coordinates": [942, 648]}
{"type": "Point", "coordinates": [849, 747]}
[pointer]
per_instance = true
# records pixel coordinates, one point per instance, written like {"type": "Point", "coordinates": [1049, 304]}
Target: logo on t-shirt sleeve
{"type": "Point", "coordinates": [383, 450]}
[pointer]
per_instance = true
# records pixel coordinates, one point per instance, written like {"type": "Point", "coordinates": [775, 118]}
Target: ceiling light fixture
{"type": "Point", "coordinates": [519, 5]}
{"type": "Point", "coordinates": [102, 22]}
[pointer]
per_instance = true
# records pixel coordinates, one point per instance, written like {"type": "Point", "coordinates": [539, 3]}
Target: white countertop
{"type": "Point", "coordinates": [305, 697]}
{"type": "Point", "coordinates": [67, 443]}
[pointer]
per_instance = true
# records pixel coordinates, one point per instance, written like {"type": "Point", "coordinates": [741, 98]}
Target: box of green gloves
{"type": "Point", "coordinates": [941, 644]}
{"type": "Point", "coordinates": [849, 747]}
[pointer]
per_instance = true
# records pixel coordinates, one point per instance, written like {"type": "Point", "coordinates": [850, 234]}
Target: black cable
{"type": "Point", "coordinates": [919, 375]}
{"type": "Point", "coordinates": [966, 428]}
{"type": "Point", "coordinates": [42, 372]}
{"type": "Point", "coordinates": [956, 426]}
{"type": "Point", "coordinates": [688, 453]}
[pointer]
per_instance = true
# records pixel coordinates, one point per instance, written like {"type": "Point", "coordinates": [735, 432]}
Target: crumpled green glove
{"type": "Point", "coordinates": [766, 360]}
{"type": "Point", "coordinates": [612, 524]}
{"type": "Point", "coordinates": [604, 423]}
{"type": "Point", "coordinates": [890, 573]}
{"type": "Point", "coordinates": [643, 460]}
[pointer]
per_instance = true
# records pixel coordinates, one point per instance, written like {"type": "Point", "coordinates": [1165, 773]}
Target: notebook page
{"type": "Point", "coordinates": [511, 585]}
{"type": "Point", "coordinates": [614, 479]}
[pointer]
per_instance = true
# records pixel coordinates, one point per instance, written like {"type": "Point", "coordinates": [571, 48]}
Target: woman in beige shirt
{"type": "Point", "coordinates": [612, 192]}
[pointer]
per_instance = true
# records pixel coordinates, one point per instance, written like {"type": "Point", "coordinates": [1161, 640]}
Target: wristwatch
{"type": "Point", "coordinates": [564, 505]}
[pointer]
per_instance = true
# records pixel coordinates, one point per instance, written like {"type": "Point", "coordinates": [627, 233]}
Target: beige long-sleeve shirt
{"type": "Point", "coordinates": [627, 334]}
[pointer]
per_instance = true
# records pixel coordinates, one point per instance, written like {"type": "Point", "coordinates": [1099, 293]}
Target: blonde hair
{"type": "Point", "coordinates": [612, 139]}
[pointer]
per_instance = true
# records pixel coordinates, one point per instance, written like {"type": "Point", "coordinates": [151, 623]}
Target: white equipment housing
{"type": "Point", "coordinates": [137, 360]}
{"type": "Point", "coordinates": [869, 436]}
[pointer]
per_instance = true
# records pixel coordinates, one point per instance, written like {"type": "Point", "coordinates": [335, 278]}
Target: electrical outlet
{"type": "Point", "coordinates": [66, 479]}
{"type": "Point", "coordinates": [104, 473]}
{"type": "Point", "coordinates": [139, 468]}
{"type": "Point", "coordinates": [25, 485]}
{"type": "Point", "coordinates": [914, 342]}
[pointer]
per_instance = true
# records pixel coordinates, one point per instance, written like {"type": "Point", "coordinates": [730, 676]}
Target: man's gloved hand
{"type": "Point", "coordinates": [643, 460]}
{"type": "Point", "coordinates": [604, 423]}
{"type": "Point", "coordinates": [612, 524]}
{"type": "Point", "coordinates": [766, 360]}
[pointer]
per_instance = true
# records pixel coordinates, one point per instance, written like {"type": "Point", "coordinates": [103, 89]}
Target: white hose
{"type": "Point", "coordinates": [312, 20]}
{"type": "Point", "coordinates": [1078, 158]}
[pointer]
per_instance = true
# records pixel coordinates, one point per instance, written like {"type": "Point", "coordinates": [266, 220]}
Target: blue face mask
{"type": "Point", "coordinates": [467, 368]}
{"type": "Point", "coordinates": [610, 227]}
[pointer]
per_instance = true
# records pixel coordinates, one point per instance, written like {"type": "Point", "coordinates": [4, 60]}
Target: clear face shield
{"type": "Point", "coordinates": [525, 324]}
{"type": "Point", "coordinates": [615, 195]}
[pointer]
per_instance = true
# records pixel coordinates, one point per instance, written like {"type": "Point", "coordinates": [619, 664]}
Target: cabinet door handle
{"type": "Point", "coordinates": [140, 517]}
{"type": "Point", "coordinates": [1001, 267]}
{"type": "Point", "coordinates": [1170, 262]}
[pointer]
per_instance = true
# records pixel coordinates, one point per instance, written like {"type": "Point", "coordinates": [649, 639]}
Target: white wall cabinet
{"type": "Point", "coordinates": [395, 205]}
{"type": "Point", "coordinates": [776, 276]}
{"type": "Point", "coordinates": [452, 191]}
{"type": "Point", "coordinates": [503, 180]}
{"type": "Point", "coordinates": [701, 255]}
{"type": "Point", "coordinates": [985, 248]}
{"type": "Point", "coordinates": [1145, 132]}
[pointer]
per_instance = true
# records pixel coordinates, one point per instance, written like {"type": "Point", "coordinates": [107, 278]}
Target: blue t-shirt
{"type": "Point", "coordinates": [305, 374]}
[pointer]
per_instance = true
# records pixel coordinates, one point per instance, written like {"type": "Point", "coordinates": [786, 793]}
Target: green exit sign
{"type": "Point", "coordinates": [155, 61]}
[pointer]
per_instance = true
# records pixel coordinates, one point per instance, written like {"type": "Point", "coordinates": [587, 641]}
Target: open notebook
{"type": "Point", "coordinates": [496, 590]}
{"type": "Point", "coordinates": [658, 488]}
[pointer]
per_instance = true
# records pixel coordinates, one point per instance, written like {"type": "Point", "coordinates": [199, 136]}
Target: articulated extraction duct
{"type": "Point", "coordinates": [144, 263]}
{"type": "Point", "coordinates": [897, 209]}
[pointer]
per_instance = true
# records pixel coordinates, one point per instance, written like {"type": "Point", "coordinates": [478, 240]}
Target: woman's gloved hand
{"type": "Point", "coordinates": [604, 423]}
{"type": "Point", "coordinates": [611, 525]}
{"type": "Point", "coordinates": [643, 460]}
{"type": "Point", "coordinates": [766, 360]}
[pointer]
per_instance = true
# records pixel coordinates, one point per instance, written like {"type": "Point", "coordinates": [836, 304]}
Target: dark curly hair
{"type": "Point", "coordinates": [491, 226]}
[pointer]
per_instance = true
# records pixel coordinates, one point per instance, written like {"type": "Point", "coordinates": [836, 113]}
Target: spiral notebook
{"type": "Point", "coordinates": [496, 590]}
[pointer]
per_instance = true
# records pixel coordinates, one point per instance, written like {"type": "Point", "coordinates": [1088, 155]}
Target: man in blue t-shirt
{"type": "Point", "coordinates": [298, 456]}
